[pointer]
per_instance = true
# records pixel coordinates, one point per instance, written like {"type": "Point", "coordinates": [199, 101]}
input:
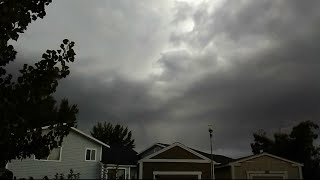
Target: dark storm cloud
{"type": "Point", "coordinates": [247, 65]}
{"type": "Point", "coordinates": [269, 88]}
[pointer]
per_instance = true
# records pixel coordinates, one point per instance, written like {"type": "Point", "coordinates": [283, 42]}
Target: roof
{"type": "Point", "coordinates": [90, 137]}
{"type": "Point", "coordinates": [119, 155]}
{"type": "Point", "coordinates": [246, 158]}
{"type": "Point", "coordinates": [156, 144]}
{"type": "Point", "coordinates": [149, 158]}
{"type": "Point", "coordinates": [215, 157]}
{"type": "Point", "coordinates": [85, 135]}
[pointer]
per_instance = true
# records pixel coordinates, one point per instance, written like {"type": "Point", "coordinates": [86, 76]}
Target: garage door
{"type": "Point", "coordinates": [177, 174]}
{"type": "Point", "coordinates": [176, 177]}
{"type": "Point", "coordinates": [277, 175]}
{"type": "Point", "coordinates": [267, 177]}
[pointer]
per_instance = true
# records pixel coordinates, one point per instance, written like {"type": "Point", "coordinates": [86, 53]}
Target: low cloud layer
{"type": "Point", "coordinates": [168, 69]}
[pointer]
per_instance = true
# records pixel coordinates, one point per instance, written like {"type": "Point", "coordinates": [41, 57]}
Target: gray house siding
{"type": "Point", "coordinates": [72, 157]}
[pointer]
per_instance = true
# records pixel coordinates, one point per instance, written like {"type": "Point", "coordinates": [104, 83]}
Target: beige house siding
{"type": "Point", "coordinates": [223, 173]}
{"type": "Point", "coordinates": [265, 163]}
{"type": "Point", "coordinates": [149, 167]}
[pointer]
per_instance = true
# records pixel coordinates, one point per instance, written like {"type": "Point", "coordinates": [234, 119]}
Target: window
{"type": "Point", "coordinates": [91, 155]}
{"type": "Point", "coordinates": [55, 155]}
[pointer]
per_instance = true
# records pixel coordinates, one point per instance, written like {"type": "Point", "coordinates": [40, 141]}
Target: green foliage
{"type": "Point", "coordinates": [27, 104]}
{"type": "Point", "coordinates": [297, 146]}
{"type": "Point", "coordinates": [113, 135]}
{"type": "Point", "coordinates": [16, 15]}
{"type": "Point", "coordinates": [70, 176]}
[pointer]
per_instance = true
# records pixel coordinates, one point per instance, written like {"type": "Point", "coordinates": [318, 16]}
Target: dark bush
{"type": "Point", "coordinates": [5, 174]}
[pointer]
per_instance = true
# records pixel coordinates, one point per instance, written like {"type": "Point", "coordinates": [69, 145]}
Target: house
{"type": "Point", "coordinates": [261, 166]}
{"type": "Point", "coordinates": [163, 161]}
{"type": "Point", "coordinates": [119, 163]}
{"type": "Point", "coordinates": [79, 152]}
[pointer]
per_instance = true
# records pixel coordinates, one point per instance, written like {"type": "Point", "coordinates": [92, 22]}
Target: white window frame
{"type": "Point", "coordinates": [95, 155]}
{"type": "Point", "coordinates": [60, 157]}
{"type": "Point", "coordinates": [196, 173]}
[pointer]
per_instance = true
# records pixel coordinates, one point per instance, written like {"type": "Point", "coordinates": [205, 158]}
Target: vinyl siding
{"type": "Point", "coordinates": [72, 157]}
{"type": "Point", "coordinates": [265, 163]}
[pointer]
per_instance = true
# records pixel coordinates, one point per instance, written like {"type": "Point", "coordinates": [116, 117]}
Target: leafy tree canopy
{"type": "Point", "coordinates": [113, 135]}
{"type": "Point", "coordinates": [27, 103]}
{"type": "Point", "coordinates": [298, 145]}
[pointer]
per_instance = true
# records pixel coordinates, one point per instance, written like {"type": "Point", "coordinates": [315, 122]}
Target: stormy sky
{"type": "Point", "coordinates": [167, 69]}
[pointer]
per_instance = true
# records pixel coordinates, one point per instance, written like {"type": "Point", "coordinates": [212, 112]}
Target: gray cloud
{"type": "Point", "coordinates": [245, 65]}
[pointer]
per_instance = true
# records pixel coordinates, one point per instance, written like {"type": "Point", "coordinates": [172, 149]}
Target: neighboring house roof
{"type": "Point", "coordinates": [150, 147]}
{"type": "Point", "coordinates": [85, 135]}
{"type": "Point", "coordinates": [119, 155]}
{"type": "Point", "coordinates": [149, 158]}
{"type": "Point", "coordinates": [246, 158]}
{"type": "Point", "coordinates": [215, 157]}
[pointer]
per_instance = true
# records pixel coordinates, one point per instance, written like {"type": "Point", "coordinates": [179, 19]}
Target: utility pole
{"type": "Point", "coordinates": [210, 132]}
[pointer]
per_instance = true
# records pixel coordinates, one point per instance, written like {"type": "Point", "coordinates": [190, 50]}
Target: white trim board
{"type": "Point", "coordinates": [120, 165]}
{"type": "Point", "coordinates": [90, 137]}
{"type": "Point", "coordinates": [84, 134]}
{"type": "Point", "coordinates": [265, 154]}
{"type": "Point", "coordinates": [140, 170]}
{"type": "Point", "coordinates": [197, 173]}
{"type": "Point", "coordinates": [171, 146]}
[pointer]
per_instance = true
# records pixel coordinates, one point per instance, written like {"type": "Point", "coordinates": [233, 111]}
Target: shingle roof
{"type": "Point", "coordinates": [215, 157]}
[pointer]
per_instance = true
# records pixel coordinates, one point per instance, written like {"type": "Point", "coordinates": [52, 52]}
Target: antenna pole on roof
{"type": "Point", "coordinates": [210, 132]}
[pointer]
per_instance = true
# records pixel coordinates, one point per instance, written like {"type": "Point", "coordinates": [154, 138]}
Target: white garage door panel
{"type": "Point", "coordinates": [267, 175]}
{"type": "Point", "coordinates": [176, 174]}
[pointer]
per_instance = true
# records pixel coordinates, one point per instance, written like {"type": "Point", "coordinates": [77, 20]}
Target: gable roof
{"type": "Point", "coordinates": [85, 135]}
{"type": "Point", "coordinates": [246, 158]}
{"type": "Point", "coordinates": [204, 158]}
{"type": "Point", "coordinates": [215, 157]}
{"type": "Point", "coordinates": [119, 155]}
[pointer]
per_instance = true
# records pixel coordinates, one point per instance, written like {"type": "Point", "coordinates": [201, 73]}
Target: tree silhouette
{"type": "Point", "coordinates": [27, 103]}
{"type": "Point", "coordinates": [113, 135]}
{"type": "Point", "coordinates": [297, 146]}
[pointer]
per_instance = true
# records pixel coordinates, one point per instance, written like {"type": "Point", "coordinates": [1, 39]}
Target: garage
{"type": "Point", "coordinates": [176, 175]}
{"type": "Point", "coordinates": [175, 162]}
{"type": "Point", "coordinates": [260, 166]}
